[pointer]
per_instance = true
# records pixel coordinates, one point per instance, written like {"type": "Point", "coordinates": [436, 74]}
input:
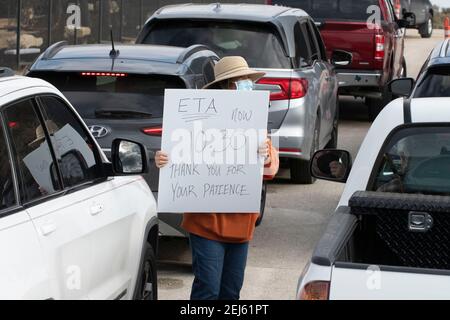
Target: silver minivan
{"type": "Point", "coordinates": [281, 41]}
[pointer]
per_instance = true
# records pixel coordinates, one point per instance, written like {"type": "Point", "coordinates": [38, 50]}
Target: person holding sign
{"type": "Point", "coordinates": [219, 241]}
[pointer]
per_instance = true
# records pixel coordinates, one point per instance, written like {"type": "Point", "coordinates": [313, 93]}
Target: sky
{"type": "Point", "coordinates": [441, 3]}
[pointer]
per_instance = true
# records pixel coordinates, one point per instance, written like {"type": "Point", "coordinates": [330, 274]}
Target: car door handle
{"type": "Point", "coordinates": [95, 210]}
{"type": "Point", "coordinates": [48, 229]}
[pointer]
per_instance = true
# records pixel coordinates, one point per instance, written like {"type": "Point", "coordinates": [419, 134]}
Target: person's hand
{"type": "Point", "coordinates": [161, 159]}
{"type": "Point", "coordinates": [263, 151]}
{"type": "Point", "coordinates": [337, 169]}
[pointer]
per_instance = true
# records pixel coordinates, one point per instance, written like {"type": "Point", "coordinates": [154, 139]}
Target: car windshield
{"type": "Point", "coordinates": [416, 160]}
{"type": "Point", "coordinates": [436, 83]}
{"type": "Point", "coordinates": [114, 96]}
{"type": "Point", "coordinates": [355, 10]}
{"type": "Point", "coordinates": [226, 39]}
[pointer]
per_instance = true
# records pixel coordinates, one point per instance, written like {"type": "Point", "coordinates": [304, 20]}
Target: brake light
{"type": "Point", "coordinates": [154, 131]}
{"type": "Point", "coordinates": [103, 74]}
{"type": "Point", "coordinates": [296, 150]}
{"type": "Point", "coordinates": [289, 88]}
{"type": "Point", "coordinates": [315, 290]}
{"type": "Point", "coordinates": [379, 47]}
{"type": "Point", "coordinates": [13, 124]}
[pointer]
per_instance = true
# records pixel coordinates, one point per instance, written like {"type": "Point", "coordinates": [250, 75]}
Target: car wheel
{"type": "Point", "coordinates": [147, 281]}
{"type": "Point", "coordinates": [263, 204]}
{"type": "Point", "coordinates": [376, 105]}
{"type": "Point", "coordinates": [300, 169]}
{"type": "Point", "coordinates": [426, 29]}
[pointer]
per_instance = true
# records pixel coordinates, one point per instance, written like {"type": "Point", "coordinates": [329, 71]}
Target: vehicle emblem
{"type": "Point", "coordinates": [420, 221]}
{"type": "Point", "coordinates": [98, 131]}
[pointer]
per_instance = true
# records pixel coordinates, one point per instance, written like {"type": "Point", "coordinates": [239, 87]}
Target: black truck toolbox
{"type": "Point", "coordinates": [415, 229]}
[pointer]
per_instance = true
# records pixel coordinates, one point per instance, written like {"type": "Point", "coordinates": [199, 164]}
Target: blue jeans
{"type": "Point", "coordinates": [218, 269]}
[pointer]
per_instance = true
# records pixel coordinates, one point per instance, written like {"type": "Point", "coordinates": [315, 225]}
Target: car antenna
{"type": "Point", "coordinates": [113, 53]}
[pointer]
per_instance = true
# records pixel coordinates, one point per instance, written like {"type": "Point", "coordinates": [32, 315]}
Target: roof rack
{"type": "Point", "coordinates": [6, 72]}
{"type": "Point", "coordinates": [54, 49]}
{"type": "Point", "coordinates": [189, 51]}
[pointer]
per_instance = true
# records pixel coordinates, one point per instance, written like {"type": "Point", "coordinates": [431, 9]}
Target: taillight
{"type": "Point", "coordinates": [379, 47]}
{"type": "Point", "coordinates": [290, 150]}
{"type": "Point", "coordinates": [153, 131]}
{"type": "Point", "coordinates": [103, 74]}
{"type": "Point", "coordinates": [289, 88]}
{"type": "Point", "coordinates": [13, 124]}
{"type": "Point", "coordinates": [315, 290]}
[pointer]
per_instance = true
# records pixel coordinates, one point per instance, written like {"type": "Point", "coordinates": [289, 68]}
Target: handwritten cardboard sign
{"type": "Point", "coordinates": [212, 138]}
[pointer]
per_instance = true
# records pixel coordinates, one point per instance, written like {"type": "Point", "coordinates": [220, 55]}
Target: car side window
{"type": "Point", "coordinates": [315, 54]}
{"type": "Point", "coordinates": [415, 160]}
{"type": "Point", "coordinates": [208, 71]}
{"type": "Point", "coordinates": [74, 148]}
{"type": "Point", "coordinates": [320, 43]}
{"type": "Point", "coordinates": [7, 192]}
{"type": "Point", "coordinates": [301, 45]}
{"type": "Point", "coordinates": [33, 156]}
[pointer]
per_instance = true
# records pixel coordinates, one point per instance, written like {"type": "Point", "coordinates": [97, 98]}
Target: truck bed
{"type": "Point", "coordinates": [379, 248]}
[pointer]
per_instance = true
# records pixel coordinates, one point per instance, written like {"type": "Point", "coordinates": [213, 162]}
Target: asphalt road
{"type": "Point", "coordinates": [295, 215]}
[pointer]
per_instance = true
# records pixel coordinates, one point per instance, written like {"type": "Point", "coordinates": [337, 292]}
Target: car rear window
{"type": "Point", "coordinates": [226, 39]}
{"type": "Point", "coordinates": [415, 160]}
{"type": "Point", "coordinates": [355, 10]}
{"type": "Point", "coordinates": [113, 96]}
{"type": "Point", "coordinates": [436, 83]}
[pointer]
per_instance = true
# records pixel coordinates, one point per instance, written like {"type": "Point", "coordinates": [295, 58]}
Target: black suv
{"type": "Point", "coordinates": [120, 93]}
{"type": "Point", "coordinates": [422, 12]}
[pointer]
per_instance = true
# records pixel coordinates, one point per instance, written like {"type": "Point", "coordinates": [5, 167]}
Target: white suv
{"type": "Point", "coordinates": [72, 224]}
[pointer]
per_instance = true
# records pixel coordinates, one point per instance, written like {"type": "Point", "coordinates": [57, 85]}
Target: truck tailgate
{"type": "Point", "coordinates": [353, 37]}
{"type": "Point", "coordinates": [364, 283]}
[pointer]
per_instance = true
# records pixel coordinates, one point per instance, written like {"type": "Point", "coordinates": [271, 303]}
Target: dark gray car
{"type": "Point", "coordinates": [121, 94]}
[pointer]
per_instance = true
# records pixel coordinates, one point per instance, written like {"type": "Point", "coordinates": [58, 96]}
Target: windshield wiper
{"type": "Point", "coordinates": [119, 113]}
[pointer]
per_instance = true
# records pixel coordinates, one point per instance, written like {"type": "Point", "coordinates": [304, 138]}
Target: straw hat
{"type": "Point", "coordinates": [40, 135]}
{"type": "Point", "coordinates": [233, 67]}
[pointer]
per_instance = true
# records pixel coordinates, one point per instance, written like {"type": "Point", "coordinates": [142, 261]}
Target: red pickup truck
{"type": "Point", "coordinates": [371, 33]}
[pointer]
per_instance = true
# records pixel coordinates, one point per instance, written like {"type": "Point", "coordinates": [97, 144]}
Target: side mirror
{"type": "Point", "coordinates": [128, 157]}
{"type": "Point", "coordinates": [341, 58]}
{"type": "Point", "coordinates": [332, 165]}
{"type": "Point", "coordinates": [402, 87]}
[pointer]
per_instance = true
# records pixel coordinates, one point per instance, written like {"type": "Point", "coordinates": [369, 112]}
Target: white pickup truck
{"type": "Point", "coordinates": [390, 235]}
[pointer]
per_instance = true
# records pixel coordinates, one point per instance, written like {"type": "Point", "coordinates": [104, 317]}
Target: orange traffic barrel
{"type": "Point", "coordinates": [447, 27]}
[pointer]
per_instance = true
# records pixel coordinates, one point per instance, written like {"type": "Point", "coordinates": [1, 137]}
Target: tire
{"type": "Point", "coordinates": [426, 29]}
{"type": "Point", "coordinates": [263, 204]}
{"type": "Point", "coordinates": [376, 105]}
{"type": "Point", "coordinates": [300, 169]}
{"type": "Point", "coordinates": [147, 280]}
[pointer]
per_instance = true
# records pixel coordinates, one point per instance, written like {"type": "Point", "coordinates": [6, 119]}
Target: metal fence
{"type": "Point", "coordinates": [28, 27]}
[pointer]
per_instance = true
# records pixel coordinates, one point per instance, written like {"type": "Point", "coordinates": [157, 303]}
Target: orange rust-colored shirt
{"type": "Point", "coordinates": [229, 227]}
